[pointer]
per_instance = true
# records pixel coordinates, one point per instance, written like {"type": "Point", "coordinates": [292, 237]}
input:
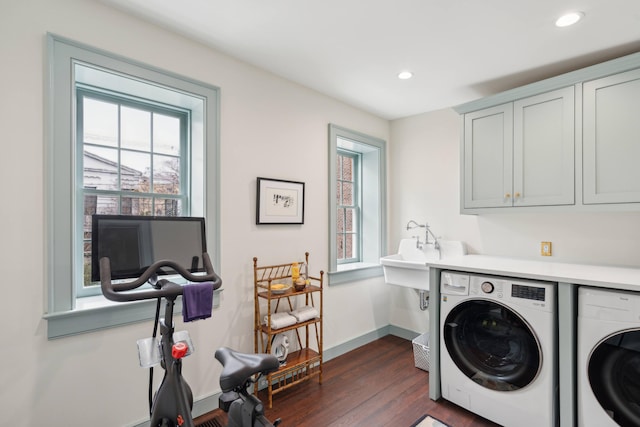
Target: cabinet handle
{"type": "Point", "coordinates": [508, 195]}
{"type": "Point", "coordinates": [517, 195]}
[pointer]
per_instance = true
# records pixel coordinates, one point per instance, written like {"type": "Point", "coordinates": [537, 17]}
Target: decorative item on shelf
{"type": "Point", "coordinates": [300, 284]}
{"type": "Point", "coordinates": [305, 273]}
{"type": "Point", "coordinates": [279, 288]}
{"type": "Point", "coordinates": [295, 271]}
{"type": "Point", "coordinates": [280, 348]}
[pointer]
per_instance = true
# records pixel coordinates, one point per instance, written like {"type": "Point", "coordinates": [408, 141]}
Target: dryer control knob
{"type": "Point", "coordinates": [487, 287]}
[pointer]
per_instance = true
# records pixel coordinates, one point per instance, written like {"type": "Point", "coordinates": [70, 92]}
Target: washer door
{"type": "Point", "coordinates": [492, 345]}
{"type": "Point", "coordinates": [614, 375]}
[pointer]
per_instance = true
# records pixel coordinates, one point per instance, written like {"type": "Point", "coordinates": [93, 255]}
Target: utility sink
{"type": "Point", "coordinates": [408, 267]}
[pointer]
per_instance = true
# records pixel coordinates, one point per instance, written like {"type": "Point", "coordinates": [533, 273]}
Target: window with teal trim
{"type": "Point", "coordinates": [122, 138]}
{"type": "Point", "coordinates": [357, 203]}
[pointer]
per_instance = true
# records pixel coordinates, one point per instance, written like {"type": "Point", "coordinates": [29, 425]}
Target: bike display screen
{"type": "Point", "coordinates": [133, 243]}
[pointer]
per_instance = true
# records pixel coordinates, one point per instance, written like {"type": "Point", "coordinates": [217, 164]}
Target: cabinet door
{"type": "Point", "coordinates": [543, 149]}
{"type": "Point", "coordinates": [488, 145]}
{"type": "Point", "coordinates": [611, 139]}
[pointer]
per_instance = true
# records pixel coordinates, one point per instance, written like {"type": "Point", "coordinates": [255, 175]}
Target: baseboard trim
{"type": "Point", "coordinates": [209, 403]}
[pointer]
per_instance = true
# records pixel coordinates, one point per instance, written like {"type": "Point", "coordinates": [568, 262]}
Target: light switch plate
{"type": "Point", "coordinates": [545, 248]}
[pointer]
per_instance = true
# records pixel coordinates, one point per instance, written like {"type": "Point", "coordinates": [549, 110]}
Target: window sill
{"type": "Point", "coordinates": [348, 273]}
{"type": "Point", "coordinates": [97, 313]}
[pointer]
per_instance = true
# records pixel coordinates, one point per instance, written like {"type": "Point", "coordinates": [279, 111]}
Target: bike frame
{"type": "Point", "coordinates": [173, 400]}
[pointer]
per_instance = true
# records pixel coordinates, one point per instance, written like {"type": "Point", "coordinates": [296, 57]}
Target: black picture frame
{"type": "Point", "coordinates": [279, 201]}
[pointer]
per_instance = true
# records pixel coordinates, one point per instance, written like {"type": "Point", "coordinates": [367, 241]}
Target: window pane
{"type": "Point", "coordinates": [135, 129]}
{"type": "Point", "coordinates": [168, 207]}
{"type": "Point", "coordinates": [349, 219]}
{"type": "Point", "coordinates": [340, 246]}
{"type": "Point", "coordinates": [347, 194]}
{"type": "Point", "coordinates": [100, 122]}
{"type": "Point", "coordinates": [134, 171]}
{"type": "Point", "coordinates": [348, 246]}
{"type": "Point", "coordinates": [339, 167]}
{"type": "Point", "coordinates": [94, 204]}
{"type": "Point", "coordinates": [166, 175]}
{"type": "Point", "coordinates": [100, 168]}
{"type": "Point", "coordinates": [340, 220]}
{"type": "Point", "coordinates": [137, 205]}
{"type": "Point", "coordinates": [347, 168]}
{"type": "Point", "coordinates": [166, 134]}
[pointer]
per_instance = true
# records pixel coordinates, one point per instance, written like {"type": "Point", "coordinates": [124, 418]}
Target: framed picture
{"type": "Point", "coordinates": [279, 202]}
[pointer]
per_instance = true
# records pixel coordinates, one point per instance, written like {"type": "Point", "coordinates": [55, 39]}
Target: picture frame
{"type": "Point", "coordinates": [279, 201]}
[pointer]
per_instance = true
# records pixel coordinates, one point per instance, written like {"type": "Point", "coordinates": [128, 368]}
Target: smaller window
{"type": "Point", "coordinates": [357, 219]}
{"type": "Point", "coordinates": [348, 213]}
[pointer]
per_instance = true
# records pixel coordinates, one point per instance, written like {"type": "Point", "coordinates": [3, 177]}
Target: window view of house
{"type": "Point", "coordinates": [132, 160]}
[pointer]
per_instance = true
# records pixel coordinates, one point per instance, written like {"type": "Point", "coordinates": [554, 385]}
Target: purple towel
{"type": "Point", "coordinates": [197, 301]}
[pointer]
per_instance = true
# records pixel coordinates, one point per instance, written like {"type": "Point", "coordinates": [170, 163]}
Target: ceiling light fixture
{"type": "Point", "coordinates": [404, 75]}
{"type": "Point", "coordinates": [569, 19]}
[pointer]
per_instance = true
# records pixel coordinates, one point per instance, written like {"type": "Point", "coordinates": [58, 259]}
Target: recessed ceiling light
{"type": "Point", "coordinates": [569, 19]}
{"type": "Point", "coordinates": [405, 75]}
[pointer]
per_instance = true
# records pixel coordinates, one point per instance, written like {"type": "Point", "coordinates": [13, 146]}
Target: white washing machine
{"type": "Point", "coordinates": [498, 348]}
{"type": "Point", "coordinates": [608, 358]}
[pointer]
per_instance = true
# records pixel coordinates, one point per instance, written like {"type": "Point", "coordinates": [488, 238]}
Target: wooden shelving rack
{"type": "Point", "coordinates": [304, 363]}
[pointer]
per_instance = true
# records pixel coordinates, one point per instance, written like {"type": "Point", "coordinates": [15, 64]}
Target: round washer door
{"type": "Point", "coordinates": [614, 376]}
{"type": "Point", "coordinates": [492, 345]}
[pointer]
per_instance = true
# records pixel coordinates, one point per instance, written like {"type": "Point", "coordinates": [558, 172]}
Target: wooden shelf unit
{"type": "Point", "coordinates": [305, 362]}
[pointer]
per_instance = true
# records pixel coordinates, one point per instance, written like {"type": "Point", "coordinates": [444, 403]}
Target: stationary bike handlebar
{"type": "Point", "coordinates": [119, 291]}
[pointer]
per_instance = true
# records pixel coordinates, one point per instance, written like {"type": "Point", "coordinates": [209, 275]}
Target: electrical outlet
{"type": "Point", "coordinates": [545, 248]}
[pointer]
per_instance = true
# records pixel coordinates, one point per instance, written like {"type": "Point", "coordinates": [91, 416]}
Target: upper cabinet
{"type": "Point", "coordinates": [611, 141]}
{"type": "Point", "coordinates": [520, 153]}
{"type": "Point", "coordinates": [568, 142]}
{"type": "Point", "coordinates": [488, 148]}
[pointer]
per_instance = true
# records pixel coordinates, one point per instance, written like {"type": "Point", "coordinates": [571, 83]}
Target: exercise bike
{"type": "Point", "coordinates": [173, 402]}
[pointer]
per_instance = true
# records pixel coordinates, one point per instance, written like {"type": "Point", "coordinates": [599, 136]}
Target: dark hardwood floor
{"type": "Point", "coordinates": [374, 385]}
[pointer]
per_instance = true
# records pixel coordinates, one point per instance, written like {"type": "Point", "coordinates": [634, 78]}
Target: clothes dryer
{"type": "Point", "coordinates": [608, 358]}
{"type": "Point", "coordinates": [498, 348]}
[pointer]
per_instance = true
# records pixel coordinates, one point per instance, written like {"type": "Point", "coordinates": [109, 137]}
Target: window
{"type": "Point", "coordinates": [357, 200]}
{"type": "Point", "coordinates": [348, 184]}
{"type": "Point", "coordinates": [123, 138]}
{"type": "Point", "coordinates": [134, 161]}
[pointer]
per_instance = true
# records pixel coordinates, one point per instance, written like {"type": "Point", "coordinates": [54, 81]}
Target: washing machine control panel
{"type": "Point", "coordinates": [487, 287]}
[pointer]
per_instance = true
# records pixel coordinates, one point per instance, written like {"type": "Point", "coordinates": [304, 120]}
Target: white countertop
{"type": "Point", "coordinates": [579, 274]}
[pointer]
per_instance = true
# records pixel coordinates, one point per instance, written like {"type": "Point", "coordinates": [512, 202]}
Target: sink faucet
{"type": "Point", "coordinates": [412, 224]}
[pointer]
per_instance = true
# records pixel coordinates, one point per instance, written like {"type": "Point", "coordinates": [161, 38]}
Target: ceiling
{"type": "Point", "coordinates": [353, 50]}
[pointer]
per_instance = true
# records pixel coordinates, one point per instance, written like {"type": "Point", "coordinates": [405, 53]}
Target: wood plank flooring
{"type": "Point", "coordinates": [374, 385]}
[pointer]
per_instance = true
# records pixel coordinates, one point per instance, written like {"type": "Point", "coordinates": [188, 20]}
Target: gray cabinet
{"type": "Point", "coordinates": [488, 153]}
{"type": "Point", "coordinates": [611, 139]}
{"type": "Point", "coordinates": [520, 153]}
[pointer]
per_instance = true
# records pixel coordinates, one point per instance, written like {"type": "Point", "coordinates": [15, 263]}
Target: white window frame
{"type": "Point", "coordinates": [372, 221]}
{"type": "Point", "coordinates": [66, 312]}
{"type": "Point", "coordinates": [356, 232]}
{"type": "Point", "coordinates": [82, 91]}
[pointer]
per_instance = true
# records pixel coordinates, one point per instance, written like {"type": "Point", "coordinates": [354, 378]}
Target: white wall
{"type": "Point", "coordinates": [425, 186]}
{"type": "Point", "coordinates": [269, 127]}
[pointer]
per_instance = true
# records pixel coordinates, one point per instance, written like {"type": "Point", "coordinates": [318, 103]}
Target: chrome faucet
{"type": "Point", "coordinates": [412, 224]}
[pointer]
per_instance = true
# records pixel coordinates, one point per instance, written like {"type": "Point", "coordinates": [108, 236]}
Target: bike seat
{"type": "Point", "coordinates": [238, 367]}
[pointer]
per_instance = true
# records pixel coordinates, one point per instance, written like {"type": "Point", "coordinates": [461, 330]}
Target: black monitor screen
{"type": "Point", "coordinates": [133, 243]}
